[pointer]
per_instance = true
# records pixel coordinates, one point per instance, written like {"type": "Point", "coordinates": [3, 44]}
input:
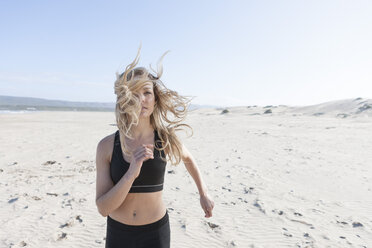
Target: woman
{"type": "Point", "coordinates": [131, 162]}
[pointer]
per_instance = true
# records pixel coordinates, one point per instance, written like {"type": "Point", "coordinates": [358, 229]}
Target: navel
{"type": "Point", "coordinates": [134, 213]}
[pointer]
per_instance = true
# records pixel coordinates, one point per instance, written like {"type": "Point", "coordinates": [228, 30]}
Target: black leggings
{"type": "Point", "coordinates": [154, 235]}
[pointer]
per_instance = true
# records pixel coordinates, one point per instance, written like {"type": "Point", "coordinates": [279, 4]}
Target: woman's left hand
{"type": "Point", "coordinates": [207, 205]}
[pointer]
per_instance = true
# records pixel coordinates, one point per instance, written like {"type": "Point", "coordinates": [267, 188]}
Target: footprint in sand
{"type": "Point", "coordinates": [212, 225]}
{"type": "Point", "coordinates": [242, 200]}
{"type": "Point", "coordinates": [357, 224]}
{"type": "Point", "coordinates": [342, 222]}
{"type": "Point", "coordinates": [68, 204]}
{"type": "Point", "coordinates": [286, 233]}
{"type": "Point", "coordinates": [78, 218]}
{"type": "Point", "coordinates": [183, 224]}
{"type": "Point", "coordinates": [68, 224]}
{"type": "Point", "coordinates": [71, 222]}
{"type": "Point", "coordinates": [53, 194]}
{"type": "Point", "coordinates": [226, 189]}
{"type": "Point", "coordinates": [258, 205]}
{"type": "Point", "coordinates": [49, 162]}
{"type": "Point", "coordinates": [249, 190]}
{"type": "Point", "coordinates": [231, 243]}
{"type": "Point", "coordinates": [280, 212]}
{"type": "Point", "coordinates": [13, 200]}
{"type": "Point", "coordinates": [62, 236]}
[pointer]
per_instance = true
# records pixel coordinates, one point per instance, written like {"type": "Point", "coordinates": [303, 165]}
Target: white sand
{"type": "Point", "coordinates": [286, 179]}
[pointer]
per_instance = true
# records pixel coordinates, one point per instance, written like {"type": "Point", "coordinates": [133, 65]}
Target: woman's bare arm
{"type": "Point", "coordinates": [206, 201]}
{"type": "Point", "coordinates": [108, 196]}
{"type": "Point", "coordinates": [193, 170]}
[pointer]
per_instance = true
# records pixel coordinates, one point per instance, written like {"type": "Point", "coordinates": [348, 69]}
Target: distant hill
{"type": "Point", "coordinates": [30, 103]}
{"type": "Point", "coordinates": [15, 103]}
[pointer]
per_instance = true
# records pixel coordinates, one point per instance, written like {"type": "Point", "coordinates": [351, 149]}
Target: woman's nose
{"type": "Point", "coordinates": [142, 98]}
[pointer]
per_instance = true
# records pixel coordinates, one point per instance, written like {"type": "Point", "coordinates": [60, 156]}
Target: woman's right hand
{"type": "Point", "coordinates": [140, 155]}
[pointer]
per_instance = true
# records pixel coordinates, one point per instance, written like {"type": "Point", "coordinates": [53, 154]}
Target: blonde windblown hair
{"type": "Point", "coordinates": [128, 108]}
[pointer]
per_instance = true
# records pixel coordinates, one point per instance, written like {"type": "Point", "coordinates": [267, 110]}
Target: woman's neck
{"type": "Point", "coordinates": [143, 129]}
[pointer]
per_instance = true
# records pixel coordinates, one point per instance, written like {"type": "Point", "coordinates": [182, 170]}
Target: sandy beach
{"type": "Point", "coordinates": [290, 177]}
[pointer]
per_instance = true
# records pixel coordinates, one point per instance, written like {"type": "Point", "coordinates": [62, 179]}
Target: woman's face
{"type": "Point", "coordinates": [147, 99]}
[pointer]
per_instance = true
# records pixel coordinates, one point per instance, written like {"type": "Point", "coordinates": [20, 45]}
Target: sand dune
{"type": "Point", "coordinates": [343, 108]}
{"type": "Point", "coordinates": [352, 108]}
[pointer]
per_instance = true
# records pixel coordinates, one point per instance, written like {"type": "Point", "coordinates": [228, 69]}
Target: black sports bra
{"type": "Point", "coordinates": [151, 177]}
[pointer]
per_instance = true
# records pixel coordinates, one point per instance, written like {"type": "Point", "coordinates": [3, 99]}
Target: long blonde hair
{"type": "Point", "coordinates": [128, 108]}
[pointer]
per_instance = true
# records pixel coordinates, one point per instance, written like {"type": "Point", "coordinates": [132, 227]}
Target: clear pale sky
{"type": "Point", "coordinates": [225, 53]}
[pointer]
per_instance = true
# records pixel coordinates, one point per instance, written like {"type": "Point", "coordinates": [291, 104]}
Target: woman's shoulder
{"type": "Point", "coordinates": [106, 144]}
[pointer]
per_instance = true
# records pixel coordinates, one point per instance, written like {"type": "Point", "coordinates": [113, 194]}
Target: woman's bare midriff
{"type": "Point", "coordinates": [140, 209]}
